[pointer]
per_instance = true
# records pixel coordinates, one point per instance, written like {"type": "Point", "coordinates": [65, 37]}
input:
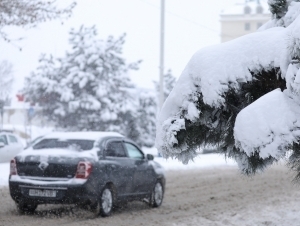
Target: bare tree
{"type": "Point", "coordinates": [28, 13]}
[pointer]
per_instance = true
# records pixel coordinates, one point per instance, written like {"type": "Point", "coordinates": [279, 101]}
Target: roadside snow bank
{"type": "Point", "coordinates": [200, 162]}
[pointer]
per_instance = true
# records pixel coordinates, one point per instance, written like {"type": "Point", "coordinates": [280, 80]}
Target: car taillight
{"type": "Point", "coordinates": [13, 167]}
{"type": "Point", "coordinates": [84, 170]}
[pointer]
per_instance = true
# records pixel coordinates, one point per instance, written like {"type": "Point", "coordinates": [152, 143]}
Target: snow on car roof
{"type": "Point", "coordinates": [89, 135]}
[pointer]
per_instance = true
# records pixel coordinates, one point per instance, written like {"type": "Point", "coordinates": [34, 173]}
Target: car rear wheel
{"type": "Point", "coordinates": [104, 204]}
{"type": "Point", "coordinates": [24, 208]}
{"type": "Point", "coordinates": [157, 195]}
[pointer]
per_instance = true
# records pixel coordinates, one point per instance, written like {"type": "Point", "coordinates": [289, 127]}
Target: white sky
{"type": "Point", "coordinates": [189, 26]}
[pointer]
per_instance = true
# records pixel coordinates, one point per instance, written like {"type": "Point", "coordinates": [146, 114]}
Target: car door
{"type": "Point", "coordinates": [5, 152]}
{"type": "Point", "coordinates": [119, 168]}
{"type": "Point", "coordinates": [143, 178]}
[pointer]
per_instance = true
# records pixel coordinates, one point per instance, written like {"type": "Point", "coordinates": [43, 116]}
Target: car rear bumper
{"type": "Point", "coordinates": [64, 194]}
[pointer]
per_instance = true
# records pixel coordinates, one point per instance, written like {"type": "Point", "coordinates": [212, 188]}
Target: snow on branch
{"type": "Point", "coordinates": [225, 97]}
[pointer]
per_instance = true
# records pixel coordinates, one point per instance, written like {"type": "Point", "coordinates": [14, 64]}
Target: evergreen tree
{"type": "Point", "coordinates": [89, 88]}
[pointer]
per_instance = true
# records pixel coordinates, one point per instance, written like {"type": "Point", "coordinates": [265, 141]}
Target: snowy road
{"type": "Point", "coordinates": [209, 196]}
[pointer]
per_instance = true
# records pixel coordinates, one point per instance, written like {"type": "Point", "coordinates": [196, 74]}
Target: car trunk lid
{"type": "Point", "coordinates": [49, 164]}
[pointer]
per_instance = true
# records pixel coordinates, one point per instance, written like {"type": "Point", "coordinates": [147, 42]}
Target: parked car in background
{"type": "Point", "coordinates": [10, 145]}
{"type": "Point", "coordinates": [94, 169]}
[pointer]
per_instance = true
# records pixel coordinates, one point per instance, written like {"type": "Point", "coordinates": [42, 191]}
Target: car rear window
{"type": "Point", "coordinates": [80, 145]}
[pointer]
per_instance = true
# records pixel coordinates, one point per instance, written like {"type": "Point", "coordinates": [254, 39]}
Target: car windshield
{"type": "Point", "coordinates": [80, 145]}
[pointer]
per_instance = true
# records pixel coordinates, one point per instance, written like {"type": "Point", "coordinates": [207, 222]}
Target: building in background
{"type": "Point", "coordinates": [243, 18]}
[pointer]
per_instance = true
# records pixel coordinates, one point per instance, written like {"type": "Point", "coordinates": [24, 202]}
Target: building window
{"type": "Point", "coordinates": [247, 26]}
{"type": "Point", "coordinates": [259, 25]}
{"type": "Point", "coordinates": [247, 10]}
{"type": "Point", "coordinates": [259, 9]}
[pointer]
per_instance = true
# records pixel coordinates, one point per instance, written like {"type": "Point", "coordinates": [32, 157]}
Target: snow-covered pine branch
{"type": "Point", "coordinates": [228, 96]}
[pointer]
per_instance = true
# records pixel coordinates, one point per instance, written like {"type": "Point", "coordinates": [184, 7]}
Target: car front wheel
{"type": "Point", "coordinates": [157, 195]}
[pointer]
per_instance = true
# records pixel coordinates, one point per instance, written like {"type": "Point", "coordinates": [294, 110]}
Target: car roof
{"type": "Point", "coordinates": [87, 135]}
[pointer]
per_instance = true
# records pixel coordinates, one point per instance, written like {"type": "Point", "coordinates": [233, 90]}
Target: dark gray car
{"type": "Point", "coordinates": [96, 169]}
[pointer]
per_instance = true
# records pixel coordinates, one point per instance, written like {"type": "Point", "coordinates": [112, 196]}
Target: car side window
{"type": "Point", "coordinates": [12, 139]}
{"type": "Point", "coordinates": [133, 151]}
{"type": "Point", "coordinates": [115, 149]}
{"type": "Point", "coordinates": [3, 139]}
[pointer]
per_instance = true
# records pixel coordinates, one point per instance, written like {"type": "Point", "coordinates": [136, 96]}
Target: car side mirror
{"type": "Point", "coordinates": [150, 157]}
{"type": "Point", "coordinates": [2, 144]}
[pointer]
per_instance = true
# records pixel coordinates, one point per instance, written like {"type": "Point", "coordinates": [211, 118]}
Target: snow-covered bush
{"type": "Point", "coordinates": [242, 95]}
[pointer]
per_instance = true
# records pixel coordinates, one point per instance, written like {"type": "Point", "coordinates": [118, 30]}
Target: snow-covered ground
{"type": "Point", "coordinates": [203, 161]}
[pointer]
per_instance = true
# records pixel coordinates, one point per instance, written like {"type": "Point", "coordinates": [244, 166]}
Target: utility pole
{"type": "Point", "coordinates": [161, 66]}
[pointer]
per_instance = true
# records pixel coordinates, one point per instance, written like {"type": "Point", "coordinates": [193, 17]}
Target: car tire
{"type": "Point", "coordinates": [157, 195]}
{"type": "Point", "coordinates": [24, 208]}
{"type": "Point", "coordinates": [104, 204]}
